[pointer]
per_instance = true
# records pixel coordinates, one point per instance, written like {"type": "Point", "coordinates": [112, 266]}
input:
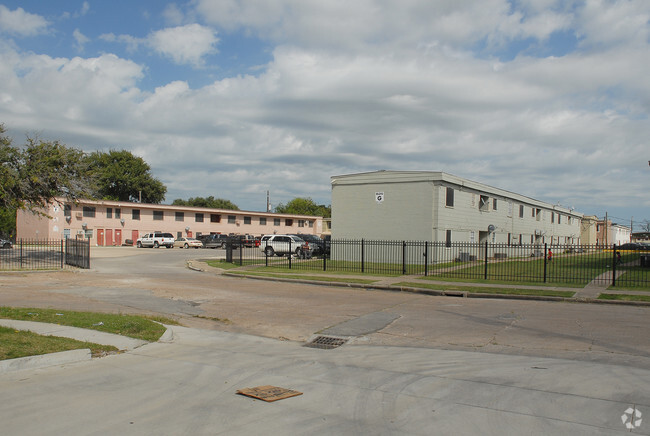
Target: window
{"type": "Point", "coordinates": [521, 211]}
{"type": "Point", "coordinates": [311, 224]}
{"type": "Point", "coordinates": [135, 214]}
{"type": "Point", "coordinates": [559, 218]}
{"type": "Point", "coordinates": [109, 212]}
{"type": "Point", "coordinates": [532, 212]}
{"type": "Point", "coordinates": [215, 218]}
{"type": "Point", "coordinates": [494, 204]}
{"type": "Point", "coordinates": [484, 203]}
{"type": "Point", "coordinates": [247, 220]}
{"type": "Point", "coordinates": [301, 223]}
{"type": "Point", "coordinates": [450, 197]}
{"type": "Point", "coordinates": [448, 239]}
{"type": "Point", "coordinates": [232, 219]}
{"type": "Point", "coordinates": [67, 210]}
{"type": "Point", "coordinates": [89, 212]}
{"type": "Point", "coordinates": [262, 221]}
{"type": "Point", "coordinates": [198, 217]}
{"type": "Point", "coordinates": [276, 221]}
{"type": "Point", "coordinates": [179, 216]}
{"type": "Point", "coordinates": [288, 222]}
{"type": "Point", "coordinates": [118, 213]}
{"type": "Point", "coordinates": [552, 217]}
{"type": "Point", "coordinates": [538, 214]}
{"type": "Point", "coordinates": [157, 215]}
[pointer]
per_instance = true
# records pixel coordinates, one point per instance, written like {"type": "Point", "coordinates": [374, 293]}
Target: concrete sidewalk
{"type": "Point", "coordinates": [189, 386]}
{"type": "Point", "coordinates": [123, 343]}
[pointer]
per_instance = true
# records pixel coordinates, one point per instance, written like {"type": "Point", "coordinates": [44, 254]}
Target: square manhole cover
{"type": "Point", "coordinates": [326, 342]}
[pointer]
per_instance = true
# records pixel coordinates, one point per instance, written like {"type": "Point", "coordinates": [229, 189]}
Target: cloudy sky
{"type": "Point", "coordinates": [231, 98]}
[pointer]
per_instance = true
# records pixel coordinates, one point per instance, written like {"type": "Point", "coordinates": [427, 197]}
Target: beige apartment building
{"type": "Point", "coordinates": [108, 223]}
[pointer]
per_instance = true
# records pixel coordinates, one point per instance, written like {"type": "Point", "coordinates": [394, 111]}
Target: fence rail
{"type": "Point", "coordinates": [543, 263]}
{"type": "Point", "coordinates": [39, 254]}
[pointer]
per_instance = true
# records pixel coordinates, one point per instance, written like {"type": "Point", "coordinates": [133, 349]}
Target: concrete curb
{"type": "Point", "coordinates": [443, 293]}
{"type": "Point", "coordinates": [123, 343]}
{"type": "Point", "coordinates": [45, 360]}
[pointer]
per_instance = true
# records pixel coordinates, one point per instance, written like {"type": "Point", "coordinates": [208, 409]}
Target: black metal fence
{"type": "Point", "coordinates": [543, 263]}
{"type": "Point", "coordinates": [45, 254]}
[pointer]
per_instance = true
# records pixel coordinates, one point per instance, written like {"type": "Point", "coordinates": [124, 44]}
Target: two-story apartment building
{"type": "Point", "coordinates": [435, 206]}
{"type": "Point", "coordinates": [114, 222]}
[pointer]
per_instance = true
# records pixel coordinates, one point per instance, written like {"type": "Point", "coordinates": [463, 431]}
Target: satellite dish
{"type": "Point", "coordinates": [491, 228]}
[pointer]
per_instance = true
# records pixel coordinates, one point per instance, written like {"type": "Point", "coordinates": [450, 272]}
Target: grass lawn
{"type": "Point", "coordinates": [305, 276]}
{"type": "Point", "coordinates": [624, 297]}
{"type": "Point", "coordinates": [15, 344]}
{"type": "Point", "coordinates": [126, 325]}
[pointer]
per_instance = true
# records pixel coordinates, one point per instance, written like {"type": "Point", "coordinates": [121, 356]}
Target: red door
{"type": "Point", "coordinates": [134, 236]}
{"type": "Point", "coordinates": [189, 233]}
{"type": "Point", "coordinates": [109, 237]}
{"type": "Point", "coordinates": [100, 237]}
{"type": "Point", "coordinates": [118, 237]}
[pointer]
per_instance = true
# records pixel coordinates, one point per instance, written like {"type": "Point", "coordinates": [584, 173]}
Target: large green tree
{"type": "Point", "coordinates": [304, 206]}
{"type": "Point", "coordinates": [121, 176]}
{"type": "Point", "coordinates": [211, 202]}
{"type": "Point", "coordinates": [36, 174]}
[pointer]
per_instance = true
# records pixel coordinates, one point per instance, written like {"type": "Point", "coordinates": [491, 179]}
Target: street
{"type": "Point", "coordinates": [414, 364]}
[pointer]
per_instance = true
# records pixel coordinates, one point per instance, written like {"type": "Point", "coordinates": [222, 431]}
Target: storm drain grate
{"type": "Point", "coordinates": [326, 342]}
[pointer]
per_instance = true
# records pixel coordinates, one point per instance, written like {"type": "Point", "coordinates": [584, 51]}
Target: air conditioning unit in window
{"type": "Point", "coordinates": [78, 215]}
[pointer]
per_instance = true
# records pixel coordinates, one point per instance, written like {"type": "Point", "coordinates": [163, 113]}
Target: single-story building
{"type": "Point", "coordinates": [107, 222]}
{"type": "Point", "coordinates": [437, 207]}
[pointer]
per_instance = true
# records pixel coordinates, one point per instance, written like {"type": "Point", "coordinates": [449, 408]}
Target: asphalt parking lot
{"type": "Point", "coordinates": [414, 364]}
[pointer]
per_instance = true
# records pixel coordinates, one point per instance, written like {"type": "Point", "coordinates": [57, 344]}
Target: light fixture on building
{"type": "Point", "coordinates": [84, 225]}
{"type": "Point", "coordinates": [187, 229]}
{"type": "Point", "coordinates": [122, 221]}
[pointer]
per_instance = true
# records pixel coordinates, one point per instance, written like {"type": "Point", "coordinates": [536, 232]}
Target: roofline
{"type": "Point", "coordinates": [441, 177]}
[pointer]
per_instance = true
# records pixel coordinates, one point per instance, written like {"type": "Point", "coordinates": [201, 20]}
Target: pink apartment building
{"type": "Point", "coordinates": [108, 223]}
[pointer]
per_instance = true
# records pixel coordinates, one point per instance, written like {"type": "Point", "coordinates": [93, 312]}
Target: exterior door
{"type": "Point", "coordinates": [118, 237]}
{"type": "Point", "coordinates": [134, 236]}
{"type": "Point", "coordinates": [100, 237]}
{"type": "Point", "coordinates": [189, 233]}
{"type": "Point", "coordinates": [109, 237]}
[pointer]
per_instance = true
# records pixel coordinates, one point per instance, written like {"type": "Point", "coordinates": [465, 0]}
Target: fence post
{"type": "Point", "coordinates": [325, 256]}
{"type": "Point", "coordinates": [485, 274]}
{"type": "Point", "coordinates": [21, 254]}
{"type": "Point", "coordinates": [290, 253]}
{"type": "Point", "coordinates": [545, 251]}
{"type": "Point", "coordinates": [266, 253]}
{"type": "Point", "coordinates": [426, 258]}
{"type": "Point", "coordinates": [403, 257]}
{"type": "Point", "coordinates": [362, 257]}
{"type": "Point", "coordinates": [241, 253]}
{"type": "Point", "coordinates": [62, 255]}
{"type": "Point", "coordinates": [614, 267]}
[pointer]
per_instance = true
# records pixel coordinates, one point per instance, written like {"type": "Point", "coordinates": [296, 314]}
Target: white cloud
{"type": "Point", "coordinates": [187, 44]}
{"type": "Point", "coordinates": [358, 86]}
{"type": "Point", "coordinates": [21, 23]}
{"type": "Point", "coordinates": [80, 39]}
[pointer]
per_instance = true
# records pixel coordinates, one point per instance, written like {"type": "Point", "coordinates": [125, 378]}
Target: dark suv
{"type": "Point", "coordinates": [316, 244]}
{"type": "Point", "coordinates": [218, 241]}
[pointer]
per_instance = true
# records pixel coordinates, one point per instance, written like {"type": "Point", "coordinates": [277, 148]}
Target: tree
{"type": "Point", "coordinates": [210, 202]}
{"type": "Point", "coordinates": [304, 206]}
{"type": "Point", "coordinates": [121, 176]}
{"type": "Point", "coordinates": [33, 176]}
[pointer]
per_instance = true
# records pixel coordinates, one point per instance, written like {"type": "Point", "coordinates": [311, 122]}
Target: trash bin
{"type": "Point", "coordinates": [229, 251]}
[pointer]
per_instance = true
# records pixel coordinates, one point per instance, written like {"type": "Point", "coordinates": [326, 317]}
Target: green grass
{"type": "Point", "coordinates": [126, 325]}
{"type": "Point", "coordinates": [15, 344]}
{"type": "Point", "coordinates": [305, 276]}
{"type": "Point", "coordinates": [489, 290]}
{"type": "Point", "coordinates": [624, 297]}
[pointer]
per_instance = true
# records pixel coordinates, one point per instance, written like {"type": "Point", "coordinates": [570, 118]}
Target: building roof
{"type": "Point", "coordinates": [441, 178]}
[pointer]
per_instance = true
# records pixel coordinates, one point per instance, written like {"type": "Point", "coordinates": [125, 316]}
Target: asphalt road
{"type": "Point", "coordinates": [414, 364]}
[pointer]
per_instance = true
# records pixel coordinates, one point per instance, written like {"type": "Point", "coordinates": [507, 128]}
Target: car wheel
{"type": "Point", "coordinates": [139, 244]}
{"type": "Point", "coordinates": [186, 246]}
{"type": "Point", "coordinates": [6, 245]}
{"type": "Point", "coordinates": [156, 245]}
{"type": "Point", "coordinates": [268, 251]}
{"type": "Point", "coordinates": [223, 245]}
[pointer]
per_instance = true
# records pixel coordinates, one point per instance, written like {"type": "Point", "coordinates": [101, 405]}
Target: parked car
{"type": "Point", "coordinates": [246, 240]}
{"type": "Point", "coordinates": [316, 244]}
{"type": "Point", "coordinates": [282, 244]}
{"type": "Point", "coordinates": [188, 242]}
{"type": "Point", "coordinates": [156, 240]}
{"type": "Point", "coordinates": [4, 243]}
{"type": "Point", "coordinates": [630, 246]}
{"type": "Point", "coordinates": [218, 240]}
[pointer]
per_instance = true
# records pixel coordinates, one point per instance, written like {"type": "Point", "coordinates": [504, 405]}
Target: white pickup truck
{"type": "Point", "coordinates": [156, 240]}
